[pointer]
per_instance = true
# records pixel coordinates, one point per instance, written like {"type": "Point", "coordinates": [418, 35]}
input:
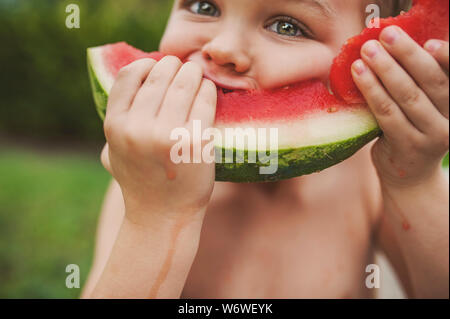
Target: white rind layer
{"type": "Point", "coordinates": [320, 128]}
{"type": "Point", "coordinates": [105, 78]}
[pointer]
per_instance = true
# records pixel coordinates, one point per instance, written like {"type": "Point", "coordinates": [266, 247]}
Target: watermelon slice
{"type": "Point", "coordinates": [316, 129]}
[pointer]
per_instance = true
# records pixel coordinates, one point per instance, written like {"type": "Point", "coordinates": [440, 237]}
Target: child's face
{"type": "Point", "coordinates": [262, 44]}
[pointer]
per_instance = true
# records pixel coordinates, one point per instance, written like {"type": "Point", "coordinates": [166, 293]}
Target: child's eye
{"type": "Point", "coordinates": [203, 8]}
{"type": "Point", "coordinates": [288, 27]}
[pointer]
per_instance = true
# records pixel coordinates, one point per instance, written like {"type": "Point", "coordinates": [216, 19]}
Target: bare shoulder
{"type": "Point", "coordinates": [108, 227]}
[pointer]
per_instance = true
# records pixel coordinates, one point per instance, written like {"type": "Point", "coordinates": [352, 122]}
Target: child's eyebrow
{"type": "Point", "coordinates": [322, 5]}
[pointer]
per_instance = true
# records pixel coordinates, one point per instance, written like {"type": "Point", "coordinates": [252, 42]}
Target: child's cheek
{"type": "Point", "coordinates": [182, 39]}
{"type": "Point", "coordinates": [170, 43]}
{"type": "Point", "coordinates": [292, 66]}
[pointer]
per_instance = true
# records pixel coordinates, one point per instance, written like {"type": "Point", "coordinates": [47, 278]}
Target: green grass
{"type": "Point", "coordinates": [49, 205]}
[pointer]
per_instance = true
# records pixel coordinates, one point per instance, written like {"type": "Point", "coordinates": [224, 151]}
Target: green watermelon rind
{"type": "Point", "coordinates": [98, 91]}
{"type": "Point", "coordinates": [292, 162]}
{"type": "Point", "coordinates": [295, 162]}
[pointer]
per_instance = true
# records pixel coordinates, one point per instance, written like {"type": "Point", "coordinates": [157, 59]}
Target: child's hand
{"type": "Point", "coordinates": [148, 100]}
{"type": "Point", "coordinates": [407, 89]}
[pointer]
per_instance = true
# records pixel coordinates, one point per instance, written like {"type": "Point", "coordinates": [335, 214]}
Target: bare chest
{"type": "Point", "coordinates": [282, 251]}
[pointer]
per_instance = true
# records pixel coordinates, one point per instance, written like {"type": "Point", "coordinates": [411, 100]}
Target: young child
{"type": "Point", "coordinates": [309, 237]}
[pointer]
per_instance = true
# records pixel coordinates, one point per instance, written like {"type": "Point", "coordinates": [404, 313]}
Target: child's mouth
{"type": "Point", "coordinates": [223, 88]}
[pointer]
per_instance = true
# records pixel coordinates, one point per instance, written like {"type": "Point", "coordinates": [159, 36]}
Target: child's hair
{"type": "Point", "coordinates": [390, 8]}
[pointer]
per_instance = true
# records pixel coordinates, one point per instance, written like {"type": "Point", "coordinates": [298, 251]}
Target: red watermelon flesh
{"type": "Point", "coordinates": [296, 101]}
{"type": "Point", "coordinates": [427, 19]}
{"type": "Point", "coordinates": [118, 55]}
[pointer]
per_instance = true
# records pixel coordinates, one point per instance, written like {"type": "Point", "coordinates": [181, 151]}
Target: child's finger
{"type": "Point", "coordinates": [127, 84]}
{"type": "Point", "coordinates": [181, 94]}
{"type": "Point", "coordinates": [153, 91]}
{"type": "Point", "coordinates": [204, 107]}
{"type": "Point", "coordinates": [418, 64]}
{"type": "Point", "coordinates": [405, 92]}
{"type": "Point", "coordinates": [204, 111]}
{"type": "Point", "coordinates": [440, 51]}
{"type": "Point", "coordinates": [391, 119]}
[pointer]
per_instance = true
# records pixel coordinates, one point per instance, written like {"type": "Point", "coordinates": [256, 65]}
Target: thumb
{"type": "Point", "coordinates": [104, 157]}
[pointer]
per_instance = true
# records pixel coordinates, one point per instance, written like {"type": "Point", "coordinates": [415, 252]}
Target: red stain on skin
{"type": "Point", "coordinates": [405, 223]}
{"type": "Point", "coordinates": [171, 174]}
{"type": "Point", "coordinates": [167, 263]}
{"type": "Point", "coordinates": [162, 276]}
{"type": "Point", "coordinates": [406, 226]}
{"type": "Point", "coordinates": [401, 173]}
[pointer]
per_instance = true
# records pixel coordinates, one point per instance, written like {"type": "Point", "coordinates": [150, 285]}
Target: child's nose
{"type": "Point", "coordinates": [228, 51]}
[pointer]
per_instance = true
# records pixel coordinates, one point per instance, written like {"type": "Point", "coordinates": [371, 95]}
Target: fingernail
{"type": "Point", "coordinates": [390, 35]}
{"type": "Point", "coordinates": [433, 45]}
{"type": "Point", "coordinates": [371, 49]}
{"type": "Point", "coordinates": [359, 67]}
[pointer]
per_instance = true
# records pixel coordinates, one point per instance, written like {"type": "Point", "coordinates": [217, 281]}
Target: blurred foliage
{"type": "Point", "coordinates": [44, 81]}
{"type": "Point", "coordinates": [445, 163]}
{"type": "Point", "coordinates": [50, 223]}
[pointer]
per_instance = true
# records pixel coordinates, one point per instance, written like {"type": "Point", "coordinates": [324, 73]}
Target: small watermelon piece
{"type": "Point", "coordinates": [427, 19]}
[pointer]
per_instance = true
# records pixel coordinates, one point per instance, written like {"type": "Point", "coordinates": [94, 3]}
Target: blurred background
{"type": "Point", "coordinates": [51, 181]}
